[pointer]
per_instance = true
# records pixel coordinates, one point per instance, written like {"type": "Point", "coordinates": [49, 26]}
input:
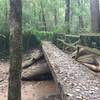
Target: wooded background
{"type": "Point", "coordinates": [43, 18]}
{"type": "Point", "coordinates": [49, 15]}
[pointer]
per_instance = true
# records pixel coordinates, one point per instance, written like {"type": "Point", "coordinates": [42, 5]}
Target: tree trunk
{"type": "Point", "coordinates": [95, 17]}
{"type": "Point", "coordinates": [14, 92]}
{"type": "Point", "coordinates": [81, 23]}
{"type": "Point", "coordinates": [43, 17]}
{"type": "Point", "coordinates": [35, 70]}
{"type": "Point", "coordinates": [55, 16]}
{"type": "Point", "coordinates": [67, 16]}
{"type": "Point", "coordinates": [6, 16]}
{"type": "Point", "coordinates": [33, 60]}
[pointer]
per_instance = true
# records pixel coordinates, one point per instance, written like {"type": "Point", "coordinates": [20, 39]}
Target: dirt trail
{"type": "Point", "coordinates": [30, 90]}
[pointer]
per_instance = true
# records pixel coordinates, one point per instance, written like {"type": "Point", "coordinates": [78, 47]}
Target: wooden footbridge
{"type": "Point", "coordinates": [74, 80]}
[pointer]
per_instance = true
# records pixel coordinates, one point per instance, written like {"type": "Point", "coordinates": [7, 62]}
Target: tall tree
{"type": "Point", "coordinates": [67, 16]}
{"type": "Point", "coordinates": [55, 17]}
{"type": "Point", "coordinates": [14, 90]}
{"type": "Point", "coordinates": [81, 23]}
{"type": "Point", "coordinates": [43, 16]}
{"type": "Point", "coordinates": [95, 17]}
{"type": "Point", "coordinates": [6, 15]}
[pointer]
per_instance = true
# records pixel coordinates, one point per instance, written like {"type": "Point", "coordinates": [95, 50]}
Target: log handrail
{"type": "Point", "coordinates": [93, 50]}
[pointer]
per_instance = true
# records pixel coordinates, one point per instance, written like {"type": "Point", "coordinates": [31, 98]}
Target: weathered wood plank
{"type": "Point", "coordinates": [74, 81]}
{"type": "Point", "coordinates": [92, 50]}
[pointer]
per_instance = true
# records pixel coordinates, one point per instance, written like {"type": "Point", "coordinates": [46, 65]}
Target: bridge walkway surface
{"type": "Point", "coordinates": [74, 80]}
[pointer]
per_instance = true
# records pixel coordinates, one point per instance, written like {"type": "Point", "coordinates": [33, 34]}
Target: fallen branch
{"type": "Point", "coordinates": [93, 67]}
{"type": "Point", "coordinates": [92, 50]}
{"type": "Point", "coordinates": [38, 55]}
{"type": "Point", "coordinates": [28, 63]}
{"type": "Point", "coordinates": [90, 59]}
{"type": "Point", "coordinates": [37, 69]}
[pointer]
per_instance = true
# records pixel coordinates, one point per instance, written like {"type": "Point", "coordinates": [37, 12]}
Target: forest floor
{"type": "Point", "coordinates": [31, 90]}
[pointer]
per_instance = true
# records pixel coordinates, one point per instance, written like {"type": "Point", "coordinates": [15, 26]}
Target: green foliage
{"type": "Point", "coordinates": [33, 38]}
{"type": "Point", "coordinates": [4, 42]}
{"type": "Point", "coordinates": [92, 41]}
{"type": "Point", "coordinates": [32, 18]}
{"type": "Point", "coordinates": [54, 39]}
{"type": "Point", "coordinates": [33, 15]}
{"type": "Point", "coordinates": [42, 35]}
{"type": "Point", "coordinates": [30, 41]}
{"type": "Point", "coordinates": [4, 8]}
{"type": "Point", "coordinates": [33, 25]}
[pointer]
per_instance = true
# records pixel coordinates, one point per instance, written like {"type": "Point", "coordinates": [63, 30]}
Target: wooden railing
{"type": "Point", "coordinates": [70, 43]}
{"type": "Point", "coordinates": [64, 42]}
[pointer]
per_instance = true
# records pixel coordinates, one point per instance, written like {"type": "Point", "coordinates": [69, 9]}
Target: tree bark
{"type": "Point", "coordinates": [95, 17]}
{"type": "Point", "coordinates": [55, 16]}
{"type": "Point", "coordinates": [81, 23]}
{"type": "Point", "coordinates": [30, 62]}
{"type": "Point", "coordinates": [43, 17]}
{"type": "Point", "coordinates": [6, 16]}
{"type": "Point", "coordinates": [35, 70]}
{"type": "Point", "coordinates": [14, 90]}
{"type": "Point", "coordinates": [67, 16]}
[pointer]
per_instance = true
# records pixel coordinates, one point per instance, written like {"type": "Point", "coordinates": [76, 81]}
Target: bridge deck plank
{"type": "Point", "coordinates": [74, 81]}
